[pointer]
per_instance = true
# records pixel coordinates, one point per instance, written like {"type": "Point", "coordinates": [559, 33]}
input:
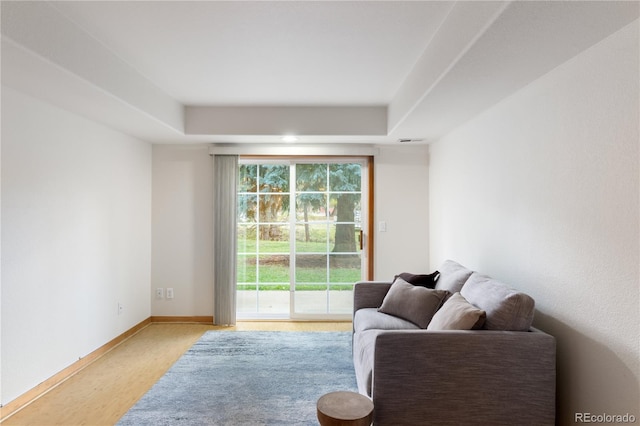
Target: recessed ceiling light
{"type": "Point", "coordinates": [289, 139]}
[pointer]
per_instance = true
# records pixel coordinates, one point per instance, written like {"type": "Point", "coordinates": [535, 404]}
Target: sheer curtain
{"type": "Point", "coordinates": [225, 175]}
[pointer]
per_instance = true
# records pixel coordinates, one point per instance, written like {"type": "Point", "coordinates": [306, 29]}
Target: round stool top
{"type": "Point", "coordinates": [343, 405]}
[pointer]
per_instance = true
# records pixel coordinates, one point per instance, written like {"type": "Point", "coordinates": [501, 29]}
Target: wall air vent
{"type": "Point", "coordinates": [410, 140]}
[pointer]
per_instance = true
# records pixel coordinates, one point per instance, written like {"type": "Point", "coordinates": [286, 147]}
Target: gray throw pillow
{"type": "Point", "coordinates": [412, 303]}
{"type": "Point", "coordinates": [457, 314]}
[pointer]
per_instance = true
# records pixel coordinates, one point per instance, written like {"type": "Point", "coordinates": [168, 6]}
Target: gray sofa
{"type": "Point", "coordinates": [500, 373]}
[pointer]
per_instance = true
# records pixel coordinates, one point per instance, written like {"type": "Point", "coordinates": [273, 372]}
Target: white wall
{"type": "Point", "coordinates": [182, 252]}
{"type": "Point", "coordinates": [402, 202]}
{"type": "Point", "coordinates": [542, 192]}
{"type": "Point", "coordinates": [76, 220]}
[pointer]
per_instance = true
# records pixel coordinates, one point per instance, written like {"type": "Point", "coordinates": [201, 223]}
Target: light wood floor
{"type": "Point", "coordinates": [104, 391]}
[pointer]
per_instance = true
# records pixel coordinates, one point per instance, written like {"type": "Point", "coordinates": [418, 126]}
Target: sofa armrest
{"type": "Point", "coordinates": [369, 294]}
{"type": "Point", "coordinates": [464, 377]}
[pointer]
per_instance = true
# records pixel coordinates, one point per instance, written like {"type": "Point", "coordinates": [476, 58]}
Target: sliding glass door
{"type": "Point", "coordinates": [327, 251]}
{"type": "Point", "coordinates": [300, 237]}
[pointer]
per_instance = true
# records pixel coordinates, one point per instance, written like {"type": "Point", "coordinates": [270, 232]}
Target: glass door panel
{"type": "Point", "coordinates": [263, 240]}
{"type": "Point", "coordinates": [328, 199]}
{"type": "Point", "coordinates": [311, 238]}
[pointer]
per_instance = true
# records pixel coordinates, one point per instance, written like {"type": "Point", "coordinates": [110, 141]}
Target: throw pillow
{"type": "Point", "coordinates": [423, 280]}
{"type": "Point", "coordinates": [412, 303]}
{"type": "Point", "coordinates": [457, 314]}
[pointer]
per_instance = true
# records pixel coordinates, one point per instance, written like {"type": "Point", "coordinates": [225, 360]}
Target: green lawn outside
{"type": "Point", "coordinates": [274, 263]}
{"type": "Point", "coordinates": [247, 243]}
{"type": "Point", "coordinates": [280, 274]}
{"type": "Point", "coordinates": [266, 246]}
{"type": "Point", "coordinates": [299, 287]}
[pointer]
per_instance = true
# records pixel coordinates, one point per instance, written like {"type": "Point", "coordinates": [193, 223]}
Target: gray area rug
{"type": "Point", "coordinates": [249, 378]}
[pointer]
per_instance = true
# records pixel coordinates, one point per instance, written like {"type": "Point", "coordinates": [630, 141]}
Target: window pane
{"type": "Point", "coordinates": [345, 207]}
{"type": "Point", "coordinates": [344, 238]}
{"type": "Point", "coordinates": [344, 268]}
{"type": "Point", "coordinates": [274, 269]}
{"type": "Point", "coordinates": [247, 207]}
{"type": "Point", "coordinates": [340, 301]}
{"type": "Point", "coordinates": [273, 238]}
{"type": "Point", "coordinates": [311, 268]}
{"type": "Point", "coordinates": [311, 301]}
{"type": "Point", "coordinates": [345, 177]}
{"type": "Point", "coordinates": [247, 175]}
{"type": "Point", "coordinates": [246, 239]}
{"type": "Point", "coordinates": [272, 299]}
{"type": "Point", "coordinates": [311, 238]}
{"type": "Point", "coordinates": [274, 208]}
{"type": "Point", "coordinates": [274, 178]}
{"type": "Point", "coordinates": [246, 269]}
{"type": "Point", "coordinates": [311, 207]}
{"type": "Point", "coordinates": [311, 177]}
{"type": "Point", "coordinates": [247, 300]}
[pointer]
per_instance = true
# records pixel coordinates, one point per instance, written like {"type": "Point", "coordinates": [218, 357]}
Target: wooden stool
{"type": "Point", "coordinates": [345, 409]}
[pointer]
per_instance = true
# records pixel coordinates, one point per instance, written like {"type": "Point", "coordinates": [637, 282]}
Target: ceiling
{"type": "Point", "coordinates": [327, 71]}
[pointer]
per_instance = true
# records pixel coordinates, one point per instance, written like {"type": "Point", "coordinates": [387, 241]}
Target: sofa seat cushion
{"type": "Point", "coordinates": [452, 276]}
{"type": "Point", "coordinates": [372, 319]}
{"type": "Point", "coordinates": [506, 308]}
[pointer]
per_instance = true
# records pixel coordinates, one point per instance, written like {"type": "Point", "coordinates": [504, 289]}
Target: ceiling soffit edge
{"type": "Point", "coordinates": [307, 120]}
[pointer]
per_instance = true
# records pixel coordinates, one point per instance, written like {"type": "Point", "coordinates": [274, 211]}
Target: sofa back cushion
{"type": "Point", "coordinates": [506, 308]}
{"type": "Point", "coordinates": [452, 276]}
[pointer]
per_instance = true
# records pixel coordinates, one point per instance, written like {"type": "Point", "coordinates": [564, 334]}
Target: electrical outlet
{"type": "Point", "coordinates": [159, 293]}
{"type": "Point", "coordinates": [169, 293]}
{"type": "Point", "coordinates": [120, 308]}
